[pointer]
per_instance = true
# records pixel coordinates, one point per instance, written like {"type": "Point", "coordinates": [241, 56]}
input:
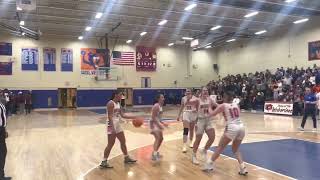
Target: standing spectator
{"type": "Point", "coordinates": [21, 101]}
{"type": "Point", "coordinates": [3, 146]}
{"type": "Point", "coordinates": [310, 102]}
{"type": "Point", "coordinates": [28, 103]}
{"type": "Point", "coordinates": [297, 106]}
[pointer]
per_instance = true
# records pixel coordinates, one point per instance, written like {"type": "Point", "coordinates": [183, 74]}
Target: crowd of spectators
{"type": "Point", "coordinates": [16, 102]}
{"type": "Point", "coordinates": [284, 85]}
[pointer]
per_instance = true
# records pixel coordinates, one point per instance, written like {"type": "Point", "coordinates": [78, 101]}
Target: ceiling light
{"type": "Point", "coordinates": [260, 32]}
{"type": "Point", "coordinates": [23, 33]}
{"type": "Point", "coordinates": [207, 47]}
{"type": "Point", "coordinates": [290, 1]}
{"type": "Point", "coordinates": [80, 37]}
{"type": "Point", "coordinates": [251, 14]}
{"type": "Point", "coordinates": [19, 8]}
{"type": "Point", "coordinates": [170, 44]}
{"type": "Point", "coordinates": [129, 41]}
{"type": "Point", "coordinates": [231, 40]}
{"type": "Point", "coordinates": [215, 28]}
{"type": "Point", "coordinates": [301, 21]}
{"type": "Point", "coordinates": [21, 23]}
{"type": "Point", "coordinates": [143, 33]}
{"type": "Point", "coordinates": [98, 15]}
{"type": "Point", "coordinates": [163, 22]}
{"type": "Point", "coordinates": [187, 38]}
{"type": "Point", "coordinates": [191, 6]}
{"type": "Point", "coordinates": [88, 28]}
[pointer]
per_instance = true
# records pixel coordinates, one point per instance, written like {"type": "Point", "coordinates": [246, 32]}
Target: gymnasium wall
{"type": "Point", "coordinates": [189, 69]}
{"type": "Point", "coordinates": [288, 50]}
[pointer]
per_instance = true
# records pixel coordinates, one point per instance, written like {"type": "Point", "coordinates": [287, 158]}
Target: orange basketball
{"type": "Point", "coordinates": [138, 122]}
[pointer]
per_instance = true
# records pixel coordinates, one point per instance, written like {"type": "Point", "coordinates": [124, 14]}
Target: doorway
{"type": "Point", "coordinates": [67, 97]}
{"type": "Point", "coordinates": [128, 95]}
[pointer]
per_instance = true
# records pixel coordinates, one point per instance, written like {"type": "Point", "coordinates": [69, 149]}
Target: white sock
{"type": "Point", "coordinates": [242, 165]}
{"type": "Point", "coordinates": [104, 159]}
{"type": "Point", "coordinates": [209, 161]}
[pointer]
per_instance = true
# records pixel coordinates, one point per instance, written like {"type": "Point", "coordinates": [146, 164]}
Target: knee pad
{"type": "Point", "coordinates": [185, 131]}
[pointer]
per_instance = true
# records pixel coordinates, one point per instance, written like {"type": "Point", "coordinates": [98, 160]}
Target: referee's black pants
{"type": "Point", "coordinates": [309, 111]}
{"type": "Point", "coordinates": [3, 151]}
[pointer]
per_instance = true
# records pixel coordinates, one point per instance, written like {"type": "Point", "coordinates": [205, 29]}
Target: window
{"type": "Point", "coordinates": [146, 82]}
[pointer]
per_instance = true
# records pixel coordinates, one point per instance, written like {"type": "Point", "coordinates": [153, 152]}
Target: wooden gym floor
{"type": "Point", "coordinates": [69, 144]}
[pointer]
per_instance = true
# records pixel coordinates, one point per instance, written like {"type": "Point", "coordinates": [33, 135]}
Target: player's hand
{"type": "Point", "coordinates": [178, 118]}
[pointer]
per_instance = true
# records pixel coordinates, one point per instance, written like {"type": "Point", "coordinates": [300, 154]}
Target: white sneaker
{"type": "Point", "coordinates": [301, 129]}
{"type": "Point", "coordinates": [195, 160]}
{"type": "Point", "coordinates": [208, 166]}
{"type": "Point", "coordinates": [184, 148]}
{"type": "Point", "coordinates": [243, 171]}
{"type": "Point", "coordinates": [191, 144]}
{"type": "Point", "coordinates": [154, 157]}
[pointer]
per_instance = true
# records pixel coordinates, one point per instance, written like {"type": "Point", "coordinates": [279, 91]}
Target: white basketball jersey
{"type": "Point", "coordinates": [231, 113]}
{"type": "Point", "coordinates": [116, 111]}
{"type": "Point", "coordinates": [204, 105]}
{"type": "Point", "coordinates": [189, 105]}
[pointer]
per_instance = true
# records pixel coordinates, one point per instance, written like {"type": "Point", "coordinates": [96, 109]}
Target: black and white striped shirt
{"type": "Point", "coordinates": [3, 118]}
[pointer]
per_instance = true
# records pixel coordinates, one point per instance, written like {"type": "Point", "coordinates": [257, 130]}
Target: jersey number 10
{"type": "Point", "coordinates": [234, 112]}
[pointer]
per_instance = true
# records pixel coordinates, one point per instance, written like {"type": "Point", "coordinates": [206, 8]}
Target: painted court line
{"type": "Point", "coordinates": [261, 168]}
{"type": "Point", "coordinates": [81, 177]}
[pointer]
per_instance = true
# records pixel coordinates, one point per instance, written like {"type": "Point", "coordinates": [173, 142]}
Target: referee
{"type": "Point", "coordinates": [310, 102]}
{"type": "Point", "coordinates": [3, 136]}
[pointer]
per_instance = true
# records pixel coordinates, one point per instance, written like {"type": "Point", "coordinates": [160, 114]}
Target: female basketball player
{"type": "Point", "coordinates": [234, 131]}
{"type": "Point", "coordinates": [156, 126]}
{"type": "Point", "coordinates": [189, 105]}
{"type": "Point", "coordinates": [204, 124]}
{"type": "Point", "coordinates": [114, 130]}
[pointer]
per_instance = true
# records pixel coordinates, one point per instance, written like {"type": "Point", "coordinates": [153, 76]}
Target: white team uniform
{"type": "Point", "coordinates": [152, 125]}
{"type": "Point", "coordinates": [116, 120]}
{"type": "Point", "coordinates": [234, 128]}
{"type": "Point", "coordinates": [204, 121]}
{"type": "Point", "coordinates": [190, 110]}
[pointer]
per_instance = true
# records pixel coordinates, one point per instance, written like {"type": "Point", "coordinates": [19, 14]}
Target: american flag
{"type": "Point", "coordinates": [123, 58]}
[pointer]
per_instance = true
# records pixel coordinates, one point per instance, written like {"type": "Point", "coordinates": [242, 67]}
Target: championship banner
{"type": "Point", "coordinates": [5, 68]}
{"type": "Point", "coordinates": [146, 59]}
{"type": "Point", "coordinates": [30, 59]}
{"type": "Point", "coordinates": [91, 59]}
{"type": "Point", "coordinates": [278, 108]}
{"type": "Point", "coordinates": [66, 60]}
{"type": "Point", "coordinates": [49, 58]}
{"type": "Point", "coordinates": [5, 49]}
{"type": "Point", "coordinates": [314, 50]}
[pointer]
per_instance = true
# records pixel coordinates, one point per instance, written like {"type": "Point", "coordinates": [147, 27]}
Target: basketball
{"type": "Point", "coordinates": [137, 122]}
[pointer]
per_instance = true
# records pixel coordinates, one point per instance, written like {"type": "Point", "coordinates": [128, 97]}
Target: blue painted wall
{"type": "Point", "coordinates": [147, 96]}
{"type": "Point", "coordinates": [92, 98]}
{"type": "Point", "coordinates": [40, 98]}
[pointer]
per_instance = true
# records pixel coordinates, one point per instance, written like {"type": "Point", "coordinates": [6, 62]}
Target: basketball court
{"type": "Point", "coordinates": [68, 144]}
{"type": "Point", "coordinates": [71, 56]}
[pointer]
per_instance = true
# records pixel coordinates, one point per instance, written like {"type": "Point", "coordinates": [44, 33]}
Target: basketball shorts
{"type": "Point", "coordinates": [235, 131]}
{"type": "Point", "coordinates": [154, 128]}
{"type": "Point", "coordinates": [189, 116]}
{"type": "Point", "coordinates": [117, 127]}
{"type": "Point", "coordinates": [204, 124]}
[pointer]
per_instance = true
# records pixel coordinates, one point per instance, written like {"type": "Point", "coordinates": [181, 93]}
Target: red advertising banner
{"type": "Point", "coordinates": [146, 59]}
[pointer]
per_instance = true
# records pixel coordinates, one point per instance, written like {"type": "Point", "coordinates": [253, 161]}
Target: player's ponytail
{"type": "Point", "coordinates": [115, 93]}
